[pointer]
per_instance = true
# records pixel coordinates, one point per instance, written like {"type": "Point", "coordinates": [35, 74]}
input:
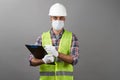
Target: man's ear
{"type": "Point", "coordinates": [64, 18]}
{"type": "Point", "coordinates": [51, 18]}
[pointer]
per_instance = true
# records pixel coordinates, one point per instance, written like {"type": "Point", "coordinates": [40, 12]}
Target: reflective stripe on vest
{"type": "Point", "coordinates": [61, 70]}
{"type": "Point", "coordinates": [58, 73]}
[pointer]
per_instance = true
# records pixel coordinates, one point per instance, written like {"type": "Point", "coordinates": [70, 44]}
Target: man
{"type": "Point", "coordinates": [62, 46]}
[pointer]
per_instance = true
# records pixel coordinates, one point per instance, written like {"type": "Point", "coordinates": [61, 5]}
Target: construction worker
{"type": "Point", "coordinates": [62, 46]}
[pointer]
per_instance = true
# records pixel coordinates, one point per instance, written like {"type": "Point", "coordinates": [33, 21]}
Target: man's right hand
{"type": "Point", "coordinates": [48, 59]}
{"type": "Point", "coordinates": [51, 50]}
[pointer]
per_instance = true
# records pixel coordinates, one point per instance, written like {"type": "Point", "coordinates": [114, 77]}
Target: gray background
{"type": "Point", "coordinates": [95, 22]}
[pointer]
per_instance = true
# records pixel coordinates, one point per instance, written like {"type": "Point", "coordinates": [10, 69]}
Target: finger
{"type": "Point", "coordinates": [48, 46]}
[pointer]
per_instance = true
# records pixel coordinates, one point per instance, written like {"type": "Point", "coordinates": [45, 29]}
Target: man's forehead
{"type": "Point", "coordinates": [57, 16]}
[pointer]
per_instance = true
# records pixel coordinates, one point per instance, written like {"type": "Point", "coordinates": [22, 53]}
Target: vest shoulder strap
{"type": "Point", "coordinates": [46, 38]}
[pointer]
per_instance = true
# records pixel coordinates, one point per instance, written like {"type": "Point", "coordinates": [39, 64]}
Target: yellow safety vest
{"type": "Point", "coordinates": [61, 70]}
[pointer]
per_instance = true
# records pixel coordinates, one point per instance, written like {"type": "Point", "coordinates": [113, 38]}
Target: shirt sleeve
{"type": "Point", "coordinates": [75, 49]}
{"type": "Point", "coordinates": [38, 42]}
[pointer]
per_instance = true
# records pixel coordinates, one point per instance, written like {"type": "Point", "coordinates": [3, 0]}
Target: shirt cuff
{"type": "Point", "coordinates": [30, 57]}
{"type": "Point", "coordinates": [75, 60]}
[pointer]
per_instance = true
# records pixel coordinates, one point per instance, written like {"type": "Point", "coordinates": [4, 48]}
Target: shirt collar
{"type": "Point", "coordinates": [52, 33]}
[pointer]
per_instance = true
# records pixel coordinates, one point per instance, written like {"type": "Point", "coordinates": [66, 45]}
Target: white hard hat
{"type": "Point", "coordinates": [57, 10]}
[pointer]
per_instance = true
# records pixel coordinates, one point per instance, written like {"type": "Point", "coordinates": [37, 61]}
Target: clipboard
{"type": "Point", "coordinates": [37, 51]}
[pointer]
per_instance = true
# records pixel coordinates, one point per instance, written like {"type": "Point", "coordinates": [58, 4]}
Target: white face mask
{"type": "Point", "coordinates": [57, 24]}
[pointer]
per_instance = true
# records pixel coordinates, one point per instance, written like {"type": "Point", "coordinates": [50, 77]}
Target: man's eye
{"type": "Point", "coordinates": [61, 18]}
{"type": "Point", "coordinates": [55, 18]}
